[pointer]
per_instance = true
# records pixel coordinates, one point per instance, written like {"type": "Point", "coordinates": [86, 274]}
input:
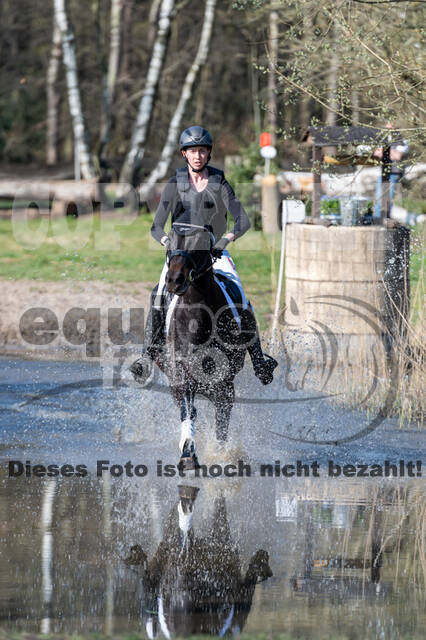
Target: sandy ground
{"type": "Point", "coordinates": [17, 321]}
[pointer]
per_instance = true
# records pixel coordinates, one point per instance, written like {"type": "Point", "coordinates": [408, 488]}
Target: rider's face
{"type": "Point", "coordinates": [196, 156]}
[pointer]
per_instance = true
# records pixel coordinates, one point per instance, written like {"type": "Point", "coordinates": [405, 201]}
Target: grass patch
{"type": "Point", "coordinates": [121, 249]}
{"type": "Point", "coordinates": [117, 250]}
{"type": "Point", "coordinates": [80, 249]}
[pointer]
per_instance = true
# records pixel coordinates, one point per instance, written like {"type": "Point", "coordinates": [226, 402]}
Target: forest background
{"type": "Point", "coordinates": [267, 65]}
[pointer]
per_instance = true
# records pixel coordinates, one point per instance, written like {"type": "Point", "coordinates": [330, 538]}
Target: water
{"type": "Point", "coordinates": [314, 557]}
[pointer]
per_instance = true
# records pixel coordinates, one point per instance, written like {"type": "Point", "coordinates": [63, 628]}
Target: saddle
{"type": "Point", "coordinates": [232, 289]}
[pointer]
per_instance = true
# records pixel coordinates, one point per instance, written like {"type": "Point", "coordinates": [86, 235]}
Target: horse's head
{"type": "Point", "coordinates": [188, 256]}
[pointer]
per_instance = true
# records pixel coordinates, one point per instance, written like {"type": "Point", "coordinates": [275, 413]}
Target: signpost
{"type": "Point", "coordinates": [267, 151]}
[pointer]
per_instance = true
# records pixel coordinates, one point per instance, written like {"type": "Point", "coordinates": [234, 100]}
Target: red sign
{"type": "Point", "coordinates": [265, 139]}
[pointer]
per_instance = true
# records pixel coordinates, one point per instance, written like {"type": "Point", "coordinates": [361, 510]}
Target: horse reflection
{"type": "Point", "coordinates": [195, 584]}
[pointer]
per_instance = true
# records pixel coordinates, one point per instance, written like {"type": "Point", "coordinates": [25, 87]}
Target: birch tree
{"type": "Point", "coordinates": [111, 78]}
{"type": "Point", "coordinates": [152, 19]}
{"type": "Point", "coordinates": [163, 164]}
{"type": "Point", "coordinates": [140, 132]}
{"type": "Point", "coordinates": [272, 90]}
{"type": "Point", "coordinates": [53, 97]}
{"type": "Point", "coordinates": [74, 100]}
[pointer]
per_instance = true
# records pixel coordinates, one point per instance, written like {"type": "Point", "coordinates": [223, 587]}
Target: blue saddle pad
{"type": "Point", "coordinates": [232, 289]}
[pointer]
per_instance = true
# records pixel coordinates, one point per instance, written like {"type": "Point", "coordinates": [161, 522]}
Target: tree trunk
{"type": "Point", "coordinates": [305, 99]}
{"type": "Point", "coordinates": [272, 76]}
{"type": "Point", "coordinates": [330, 114]}
{"type": "Point", "coordinates": [199, 110]}
{"type": "Point", "coordinates": [111, 79]}
{"type": "Point", "coordinates": [126, 38]}
{"type": "Point", "coordinates": [355, 106]}
{"type": "Point", "coordinates": [166, 155]}
{"type": "Point", "coordinates": [53, 98]}
{"type": "Point", "coordinates": [123, 119]}
{"type": "Point", "coordinates": [74, 100]}
{"type": "Point", "coordinates": [152, 19]}
{"type": "Point", "coordinates": [137, 145]}
{"type": "Point", "coordinates": [332, 99]}
{"type": "Point", "coordinates": [254, 81]}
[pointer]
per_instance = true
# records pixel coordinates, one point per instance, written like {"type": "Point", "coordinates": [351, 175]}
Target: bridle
{"type": "Point", "coordinates": [194, 274]}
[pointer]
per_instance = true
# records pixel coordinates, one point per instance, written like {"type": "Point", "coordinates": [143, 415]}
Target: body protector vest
{"type": "Point", "coordinates": [205, 207]}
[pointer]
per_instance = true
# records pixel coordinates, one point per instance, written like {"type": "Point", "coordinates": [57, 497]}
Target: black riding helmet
{"type": "Point", "coordinates": [196, 136]}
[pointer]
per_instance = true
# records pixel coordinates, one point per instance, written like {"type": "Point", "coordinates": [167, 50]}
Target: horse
{"type": "Point", "coordinates": [205, 344]}
{"type": "Point", "coordinates": [196, 583]}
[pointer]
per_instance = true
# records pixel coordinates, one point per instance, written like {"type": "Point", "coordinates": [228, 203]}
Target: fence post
{"type": "Point", "coordinates": [284, 215]}
{"type": "Point", "coordinates": [270, 204]}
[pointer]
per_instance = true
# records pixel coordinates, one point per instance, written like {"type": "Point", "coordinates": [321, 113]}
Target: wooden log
{"type": "Point", "coordinates": [65, 190]}
{"type": "Point", "coordinates": [361, 265]}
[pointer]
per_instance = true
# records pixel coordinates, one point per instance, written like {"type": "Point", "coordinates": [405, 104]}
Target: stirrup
{"type": "Point", "coordinates": [265, 370]}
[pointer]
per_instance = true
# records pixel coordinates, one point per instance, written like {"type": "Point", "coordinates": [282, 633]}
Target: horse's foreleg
{"type": "Point", "coordinates": [187, 437]}
{"type": "Point", "coordinates": [187, 420]}
{"type": "Point", "coordinates": [224, 400]}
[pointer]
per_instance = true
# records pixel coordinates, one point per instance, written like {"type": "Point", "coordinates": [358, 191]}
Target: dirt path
{"type": "Point", "coordinates": [18, 297]}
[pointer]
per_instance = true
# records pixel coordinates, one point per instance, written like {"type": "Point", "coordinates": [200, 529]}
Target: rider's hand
{"type": "Point", "coordinates": [220, 246]}
{"type": "Point", "coordinates": [165, 241]}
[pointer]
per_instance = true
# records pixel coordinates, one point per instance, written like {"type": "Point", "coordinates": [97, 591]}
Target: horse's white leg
{"type": "Point", "coordinates": [187, 424]}
{"type": "Point", "coordinates": [187, 433]}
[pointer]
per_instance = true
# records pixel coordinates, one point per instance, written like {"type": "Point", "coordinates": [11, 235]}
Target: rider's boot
{"type": "Point", "coordinates": [263, 364]}
{"type": "Point", "coordinates": [153, 341]}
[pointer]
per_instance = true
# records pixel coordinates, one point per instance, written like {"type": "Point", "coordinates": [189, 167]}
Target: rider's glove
{"type": "Point", "coordinates": [220, 246]}
{"type": "Point", "coordinates": [166, 243]}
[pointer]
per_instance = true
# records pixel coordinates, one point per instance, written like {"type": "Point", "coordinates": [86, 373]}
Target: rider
{"type": "Point", "coordinates": [200, 195]}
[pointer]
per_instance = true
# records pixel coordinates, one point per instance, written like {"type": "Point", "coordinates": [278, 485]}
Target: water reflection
{"type": "Point", "coordinates": [195, 584]}
{"type": "Point", "coordinates": [336, 574]}
{"type": "Point", "coordinates": [307, 558]}
{"type": "Point", "coordinates": [49, 491]}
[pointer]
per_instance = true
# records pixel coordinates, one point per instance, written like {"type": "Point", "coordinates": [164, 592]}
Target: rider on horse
{"type": "Point", "coordinates": [199, 195]}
